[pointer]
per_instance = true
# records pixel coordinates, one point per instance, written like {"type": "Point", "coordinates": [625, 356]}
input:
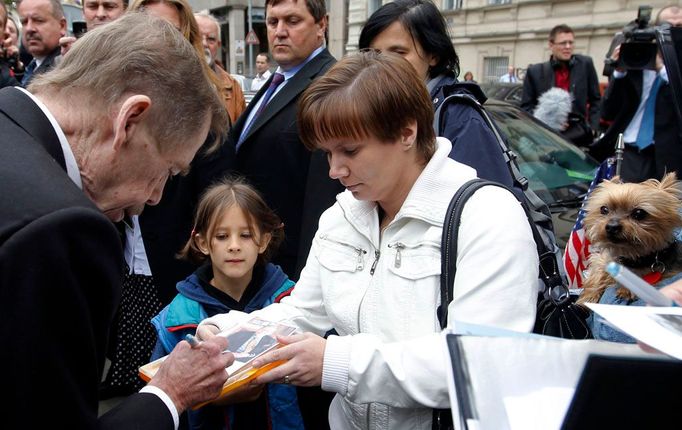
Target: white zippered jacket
{"type": "Point", "coordinates": [387, 363]}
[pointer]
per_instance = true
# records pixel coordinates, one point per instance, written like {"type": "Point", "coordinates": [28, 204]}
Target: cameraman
{"type": "Point", "coordinates": [6, 74]}
{"type": "Point", "coordinates": [639, 102]}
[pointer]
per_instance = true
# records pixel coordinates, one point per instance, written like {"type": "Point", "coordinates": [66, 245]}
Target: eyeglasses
{"type": "Point", "coordinates": [564, 43]}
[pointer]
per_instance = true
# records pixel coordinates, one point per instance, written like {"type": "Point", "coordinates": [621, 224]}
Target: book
{"type": "Point", "coordinates": [656, 326]}
{"type": "Point", "coordinates": [505, 380]}
{"type": "Point", "coordinates": [247, 341]}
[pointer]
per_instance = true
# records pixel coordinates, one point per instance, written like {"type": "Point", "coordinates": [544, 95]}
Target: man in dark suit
{"type": "Point", "coordinates": [89, 145]}
{"type": "Point", "coordinates": [294, 182]}
{"type": "Point", "coordinates": [633, 99]}
{"type": "Point", "coordinates": [44, 24]}
{"type": "Point", "coordinates": [571, 72]}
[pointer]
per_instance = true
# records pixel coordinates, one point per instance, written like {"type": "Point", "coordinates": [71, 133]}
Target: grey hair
{"type": "Point", "coordinates": [205, 14]}
{"type": "Point", "coordinates": [144, 55]}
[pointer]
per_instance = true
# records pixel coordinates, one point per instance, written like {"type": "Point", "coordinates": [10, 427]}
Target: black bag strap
{"type": "Point", "coordinates": [448, 246]}
{"type": "Point", "coordinates": [448, 243]}
{"type": "Point", "coordinates": [520, 181]}
{"type": "Point", "coordinates": [535, 207]}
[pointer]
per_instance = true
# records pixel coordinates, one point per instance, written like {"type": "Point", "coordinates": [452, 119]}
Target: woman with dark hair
{"type": "Point", "coordinates": [416, 30]}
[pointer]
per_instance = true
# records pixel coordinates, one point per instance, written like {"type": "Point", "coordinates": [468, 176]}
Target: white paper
{"type": "Point", "coordinates": [542, 409]}
{"type": "Point", "coordinates": [514, 378]}
{"type": "Point", "coordinates": [658, 327]}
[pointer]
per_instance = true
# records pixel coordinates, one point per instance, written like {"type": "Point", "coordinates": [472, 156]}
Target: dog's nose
{"type": "Point", "coordinates": [613, 227]}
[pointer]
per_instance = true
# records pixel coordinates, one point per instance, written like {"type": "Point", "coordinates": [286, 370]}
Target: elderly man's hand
{"type": "Point", "coordinates": [207, 331]}
{"type": "Point", "coordinates": [192, 375]}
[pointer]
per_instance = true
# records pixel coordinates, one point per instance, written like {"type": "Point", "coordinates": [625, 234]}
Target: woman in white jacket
{"type": "Point", "coordinates": [373, 269]}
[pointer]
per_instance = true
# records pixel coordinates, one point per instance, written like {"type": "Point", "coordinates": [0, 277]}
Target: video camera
{"type": "Point", "coordinates": [638, 45]}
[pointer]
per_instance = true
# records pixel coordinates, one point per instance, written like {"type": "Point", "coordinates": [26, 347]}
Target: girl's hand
{"type": "Point", "coordinates": [207, 331]}
{"type": "Point", "coordinates": [305, 354]}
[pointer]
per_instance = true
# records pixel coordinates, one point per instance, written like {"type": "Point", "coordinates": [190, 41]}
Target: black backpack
{"type": "Point", "coordinates": [557, 315]}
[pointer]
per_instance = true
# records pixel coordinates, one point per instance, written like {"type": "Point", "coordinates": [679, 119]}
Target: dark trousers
{"type": "Point", "coordinates": [638, 165]}
{"type": "Point", "coordinates": [314, 406]}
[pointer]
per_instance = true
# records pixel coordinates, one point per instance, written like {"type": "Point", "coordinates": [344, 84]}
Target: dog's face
{"type": "Point", "coordinates": [634, 219]}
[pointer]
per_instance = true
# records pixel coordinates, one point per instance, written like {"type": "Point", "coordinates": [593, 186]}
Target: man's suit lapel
{"type": "Point", "coordinates": [48, 62]}
{"type": "Point", "coordinates": [24, 112]}
{"type": "Point", "coordinates": [291, 90]}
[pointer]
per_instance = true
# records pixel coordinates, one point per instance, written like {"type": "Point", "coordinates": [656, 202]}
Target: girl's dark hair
{"type": "Point", "coordinates": [229, 192]}
{"type": "Point", "coordinates": [424, 22]}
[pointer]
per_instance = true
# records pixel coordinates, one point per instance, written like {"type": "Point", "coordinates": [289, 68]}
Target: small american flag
{"type": "Point", "coordinates": [578, 246]}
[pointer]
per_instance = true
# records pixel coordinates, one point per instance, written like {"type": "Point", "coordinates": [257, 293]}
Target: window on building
{"type": "Point", "coordinates": [499, 1]}
{"type": "Point", "coordinates": [494, 67]}
{"type": "Point", "coordinates": [452, 4]}
{"type": "Point", "coordinates": [372, 6]}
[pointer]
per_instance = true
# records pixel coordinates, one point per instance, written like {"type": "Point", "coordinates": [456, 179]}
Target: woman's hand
{"type": "Point", "coordinates": [207, 331]}
{"type": "Point", "coordinates": [304, 354]}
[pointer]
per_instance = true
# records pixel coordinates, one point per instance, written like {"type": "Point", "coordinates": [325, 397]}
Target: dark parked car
{"type": "Point", "coordinates": [510, 93]}
{"type": "Point", "coordinates": [559, 172]}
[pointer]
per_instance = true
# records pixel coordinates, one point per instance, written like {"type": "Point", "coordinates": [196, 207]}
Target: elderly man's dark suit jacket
{"type": "Point", "coordinates": [619, 105]}
{"type": "Point", "coordinates": [60, 279]}
{"type": "Point", "coordinates": [272, 157]}
{"type": "Point", "coordinates": [584, 86]}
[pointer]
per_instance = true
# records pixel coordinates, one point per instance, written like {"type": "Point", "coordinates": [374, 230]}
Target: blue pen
{"type": "Point", "coordinates": [637, 285]}
{"type": "Point", "coordinates": [193, 342]}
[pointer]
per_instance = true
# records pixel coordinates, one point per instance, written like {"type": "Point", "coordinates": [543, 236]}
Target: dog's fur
{"type": "Point", "coordinates": [628, 222]}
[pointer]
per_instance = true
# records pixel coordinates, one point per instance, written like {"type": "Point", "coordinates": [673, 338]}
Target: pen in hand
{"type": "Point", "coordinates": [193, 341]}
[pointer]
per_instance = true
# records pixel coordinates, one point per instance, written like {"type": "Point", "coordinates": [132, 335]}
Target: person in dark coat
{"type": "Point", "coordinates": [416, 30]}
{"type": "Point", "coordinates": [68, 169]}
{"type": "Point", "coordinates": [568, 71]}
{"type": "Point", "coordinates": [293, 181]}
{"type": "Point", "coordinates": [43, 25]}
{"type": "Point", "coordinates": [631, 96]}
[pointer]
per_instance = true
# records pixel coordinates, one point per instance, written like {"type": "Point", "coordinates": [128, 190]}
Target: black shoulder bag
{"type": "Point", "coordinates": [557, 314]}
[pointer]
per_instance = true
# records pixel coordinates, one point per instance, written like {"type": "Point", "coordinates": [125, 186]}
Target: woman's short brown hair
{"type": "Point", "coordinates": [367, 94]}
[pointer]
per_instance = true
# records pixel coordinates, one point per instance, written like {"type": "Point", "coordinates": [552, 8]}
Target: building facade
{"type": "Point", "coordinates": [490, 35]}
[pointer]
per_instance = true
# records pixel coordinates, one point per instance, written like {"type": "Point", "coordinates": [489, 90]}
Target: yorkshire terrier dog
{"type": "Point", "coordinates": [633, 224]}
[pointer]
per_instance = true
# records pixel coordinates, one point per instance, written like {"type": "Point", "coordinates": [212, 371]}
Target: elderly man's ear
{"type": "Point", "coordinates": [131, 116]}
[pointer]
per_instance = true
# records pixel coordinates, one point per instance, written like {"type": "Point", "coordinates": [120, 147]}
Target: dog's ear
{"type": "Point", "coordinates": [670, 184]}
{"type": "Point", "coordinates": [615, 180]}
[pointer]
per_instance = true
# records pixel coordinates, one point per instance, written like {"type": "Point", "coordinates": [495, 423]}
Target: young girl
{"type": "Point", "coordinates": [234, 235]}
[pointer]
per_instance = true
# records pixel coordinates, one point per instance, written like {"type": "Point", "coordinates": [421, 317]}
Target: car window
{"type": "Point", "coordinates": [555, 168]}
{"type": "Point", "coordinates": [515, 95]}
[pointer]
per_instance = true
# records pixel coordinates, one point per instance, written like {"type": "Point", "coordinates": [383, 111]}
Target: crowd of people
{"type": "Point", "coordinates": [320, 203]}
